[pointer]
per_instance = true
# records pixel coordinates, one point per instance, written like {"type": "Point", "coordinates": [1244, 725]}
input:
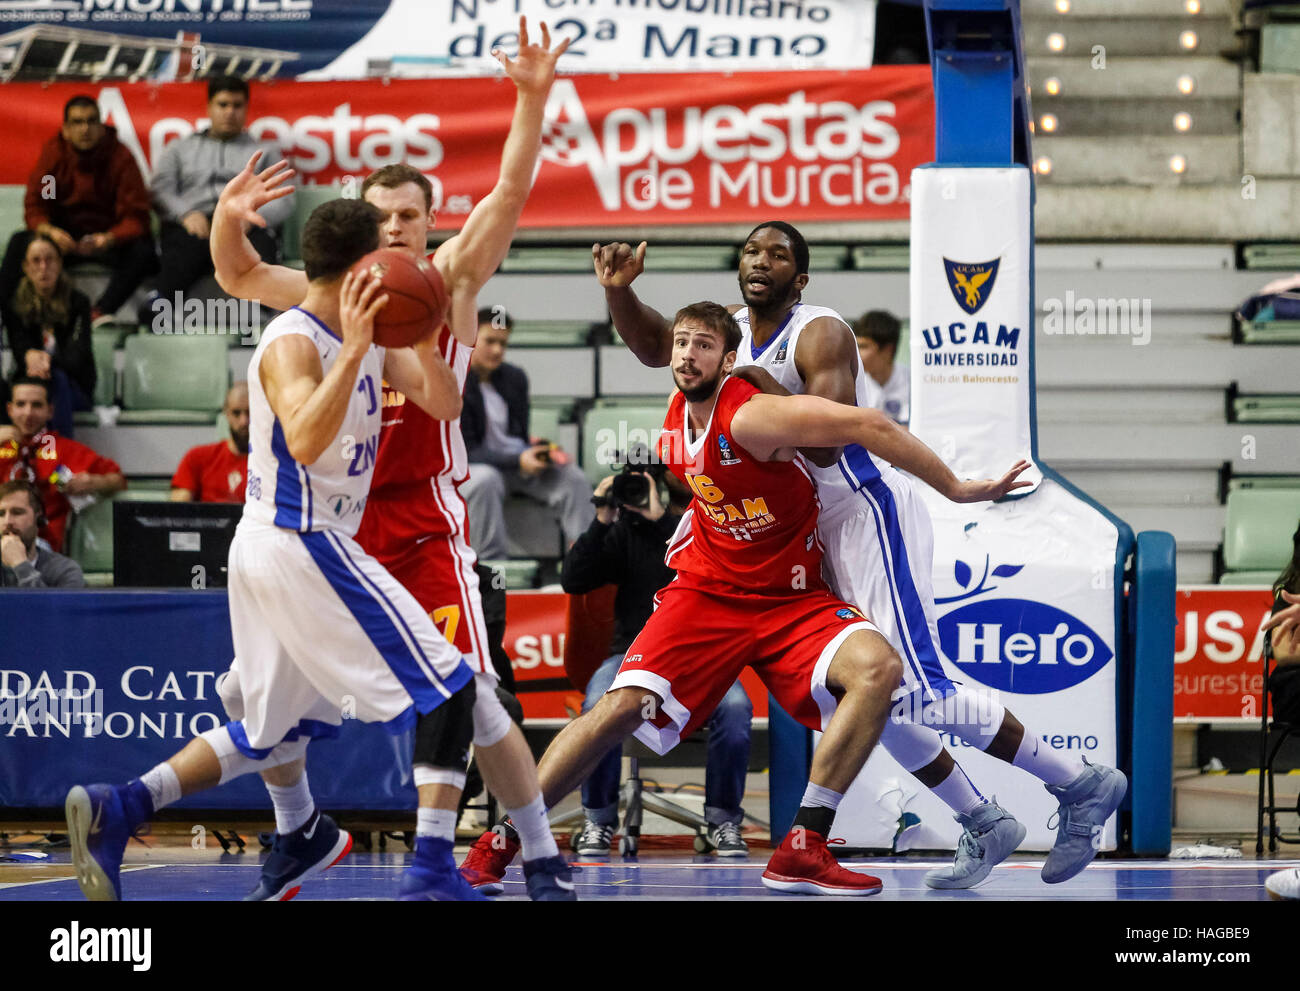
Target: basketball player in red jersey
{"type": "Point", "coordinates": [749, 592]}
{"type": "Point", "coordinates": [414, 518]}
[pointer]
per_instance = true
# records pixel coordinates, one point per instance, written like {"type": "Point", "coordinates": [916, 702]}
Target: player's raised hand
{"type": "Point", "coordinates": [617, 264]}
{"type": "Point", "coordinates": [251, 190]}
{"type": "Point", "coordinates": [991, 489]}
{"type": "Point", "coordinates": [1285, 623]}
{"type": "Point", "coordinates": [534, 68]}
{"type": "Point", "coordinates": [359, 300]}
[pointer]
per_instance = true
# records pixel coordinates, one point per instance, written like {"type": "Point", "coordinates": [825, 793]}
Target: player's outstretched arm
{"type": "Point", "coordinates": [310, 405]}
{"type": "Point", "coordinates": [645, 330]}
{"type": "Point", "coordinates": [240, 270]}
{"type": "Point", "coordinates": [420, 373]}
{"type": "Point", "coordinates": [767, 424]}
{"type": "Point", "coordinates": [468, 260]}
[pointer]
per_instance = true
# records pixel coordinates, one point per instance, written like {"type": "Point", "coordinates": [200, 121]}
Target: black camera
{"type": "Point", "coordinates": [630, 486]}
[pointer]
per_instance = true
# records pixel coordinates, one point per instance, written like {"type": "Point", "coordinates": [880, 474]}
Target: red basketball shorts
{"type": "Point", "coordinates": [438, 570]}
{"type": "Point", "coordinates": [703, 633]}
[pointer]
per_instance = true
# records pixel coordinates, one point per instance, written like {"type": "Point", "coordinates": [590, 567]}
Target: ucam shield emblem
{"type": "Point", "coordinates": [1016, 645]}
{"type": "Point", "coordinates": [971, 282]}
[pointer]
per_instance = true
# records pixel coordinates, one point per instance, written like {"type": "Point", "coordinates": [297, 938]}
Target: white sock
{"type": "Point", "coordinates": [163, 784]}
{"type": "Point", "coordinates": [293, 805]}
{"type": "Point", "coordinates": [438, 824]}
{"type": "Point", "coordinates": [815, 796]}
{"type": "Point", "coordinates": [958, 792]}
{"type": "Point", "coordinates": [1045, 763]}
{"type": "Point", "coordinates": [534, 831]}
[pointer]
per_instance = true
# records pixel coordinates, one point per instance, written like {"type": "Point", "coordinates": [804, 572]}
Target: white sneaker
{"type": "Point", "coordinates": [991, 834]}
{"type": "Point", "coordinates": [1284, 886]}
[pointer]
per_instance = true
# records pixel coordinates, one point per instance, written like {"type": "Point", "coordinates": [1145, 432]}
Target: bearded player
{"type": "Point", "coordinates": [879, 547]}
{"type": "Point", "coordinates": [749, 592]}
{"type": "Point", "coordinates": [414, 520]}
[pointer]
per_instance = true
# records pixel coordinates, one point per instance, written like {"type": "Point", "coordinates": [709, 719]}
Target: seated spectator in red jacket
{"type": "Point", "coordinates": [67, 474]}
{"type": "Point", "coordinates": [48, 323]}
{"type": "Point", "coordinates": [217, 472]}
{"type": "Point", "coordinates": [87, 194]}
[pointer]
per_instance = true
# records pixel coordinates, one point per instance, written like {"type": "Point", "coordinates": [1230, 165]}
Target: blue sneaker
{"type": "Point", "coordinates": [991, 835]}
{"type": "Point", "coordinates": [433, 876]}
{"type": "Point", "coordinates": [101, 819]}
{"type": "Point", "coordinates": [1086, 803]}
{"type": "Point", "coordinates": [311, 848]}
{"type": "Point", "coordinates": [549, 880]}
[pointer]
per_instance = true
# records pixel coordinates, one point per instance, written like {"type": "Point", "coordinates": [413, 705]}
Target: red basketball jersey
{"type": "Point", "coordinates": [752, 524]}
{"type": "Point", "coordinates": [420, 456]}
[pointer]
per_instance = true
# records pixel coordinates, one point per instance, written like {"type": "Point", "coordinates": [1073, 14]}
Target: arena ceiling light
{"type": "Point", "coordinates": [1189, 40]}
{"type": "Point", "coordinates": [1048, 122]}
{"type": "Point", "coordinates": [1177, 164]}
{"type": "Point", "coordinates": [1053, 86]}
{"type": "Point", "coordinates": [1043, 165]}
{"type": "Point", "coordinates": [1056, 42]}
{"type": "Point", "coordinates": [1182, 121]}
{"type": "Point", "coordinates": [1186, 84]}
{"type": "Point", "coordinates": [1062, 6]}
{"type": "Point", "coordinates": [1193, 6]}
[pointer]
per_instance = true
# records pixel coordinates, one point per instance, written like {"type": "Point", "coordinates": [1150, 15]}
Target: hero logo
{"type": "Point", "coordinates": [832, 145]}
{"type": "Point", "coordinates": [1018, 645]}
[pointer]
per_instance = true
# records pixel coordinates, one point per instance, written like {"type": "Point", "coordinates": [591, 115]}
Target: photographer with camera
{"type": "Point", "coordinates": [624, 546]}
{"type": "Point", "coordinates": [503, 460]}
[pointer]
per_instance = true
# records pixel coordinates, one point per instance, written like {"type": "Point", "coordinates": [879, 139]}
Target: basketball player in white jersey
{"type": "Point", "coordinates": [415, 521]}
{"type": "Point", "coordinates": [319, 627]}
{"type": "Point", "coordinates": [879, 555]}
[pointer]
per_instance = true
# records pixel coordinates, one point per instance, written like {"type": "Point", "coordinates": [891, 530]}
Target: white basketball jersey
{"type": "Point", "coordinates": [838, 484]}
{"type": "Point", "coordinates": [330, 493]}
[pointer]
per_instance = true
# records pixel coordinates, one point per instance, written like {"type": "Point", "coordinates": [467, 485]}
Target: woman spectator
{"type": "Point", "coordinates": [48, 323]}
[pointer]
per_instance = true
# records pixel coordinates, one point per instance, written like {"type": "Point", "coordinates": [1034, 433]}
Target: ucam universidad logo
{"type": "Point", "coordinates": [1017, 645]}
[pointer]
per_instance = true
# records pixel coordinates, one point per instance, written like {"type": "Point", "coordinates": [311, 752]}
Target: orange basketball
{"type": "Point", "coordinates": [417, 298]}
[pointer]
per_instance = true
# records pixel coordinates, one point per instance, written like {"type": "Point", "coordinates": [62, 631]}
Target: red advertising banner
{"type": "Point", "coordinates": [657, 148]}
{"type": "Point", "coordinates": [1217, 669]}
{"type": "Point", "coordinates": [534, 640]}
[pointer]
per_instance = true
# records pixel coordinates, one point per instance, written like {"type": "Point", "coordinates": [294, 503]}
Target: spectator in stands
{"type": "Point", "coordinates": [25, 564]}
{"type": "Point", "coordinates": [624, 546]}
{"type": "Point", "coordinates": [1284, 685]}
{"type": "Point", "coordinates": [188, 178]}
{"type": "Point", "coordinates": [217, 472]}
{"type": "Point", "coordinates": [503, 460]}
{"type": "Point", "coordinates": [67, 474]}
{"type": "Point", "coordinates": [878, 332]}
{"type": "Point", "coordinates": [86, 193]}
{"type": "Point", "coordinates": [48, 323]}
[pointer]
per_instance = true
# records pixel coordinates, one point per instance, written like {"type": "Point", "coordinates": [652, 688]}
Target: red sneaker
{"type": "Point", "coordinates": [487, 860]}
{"type": "Point", "coordinates": [802, 864]}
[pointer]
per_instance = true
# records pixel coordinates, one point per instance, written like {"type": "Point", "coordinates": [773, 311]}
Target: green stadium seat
{"type": "Point", "coordinates": [882, 257]}
{"type": "Point", "coordinates": [547, 259]}
{"type": "Point", "coordinates": [1270, 332]}
{"type": "Point", "coordinates": [103, 343]}
{"type": "Point", "coordinates": [1266, 409]}
{"type": "Point", "coordinates": [608, 431]}
{"type": "Point", "coordinates": [173, 378]}
{"type": "Point", "coordinates": [1272, 256]}
{"type": "Point", "coordinates": [550, 333]}
{"type": "Point", "coordinates": [689, 258]}
{"type": "Point", "coordinates": [11, 211]}
{"type": "Point", "coordinates": [1257, 533]}
{"type": "Point", "coordinates": [1264, 482]}
{"type": "Point", "coordinates": [90, 538]}
{"type": "Point", "coordinates": [543, 421]}
{"type": "Point", "coordinates": [1250, 577]}
{"type": "Point", "coordinates": [519, 574]}
{"type": "Point", "coordinates": [828, 257]}
{"type": "Point", "coordinates": [1279, 48]}
{"type": "Point", "coordinates": [305, 200]}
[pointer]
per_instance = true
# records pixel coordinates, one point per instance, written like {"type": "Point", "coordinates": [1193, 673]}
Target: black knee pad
{"type": "Point", "coordinates": [442, 737]}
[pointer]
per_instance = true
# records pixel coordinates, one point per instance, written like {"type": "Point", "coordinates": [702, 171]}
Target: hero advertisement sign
{"type": "Point", "coordinates": [1017, 645]}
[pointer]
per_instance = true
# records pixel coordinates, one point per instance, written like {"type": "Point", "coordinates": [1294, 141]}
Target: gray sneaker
{"type": "Point", "coordinates": [1086, 803]}
{"type": "Point", "coordinates": [991, 835]}
{"type": "Point", "coordinates": [595, 839]}
{"type": "Point", "coordinates": [1284, 885]}
{"type": "Point", "coordinates": [725, 839]}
